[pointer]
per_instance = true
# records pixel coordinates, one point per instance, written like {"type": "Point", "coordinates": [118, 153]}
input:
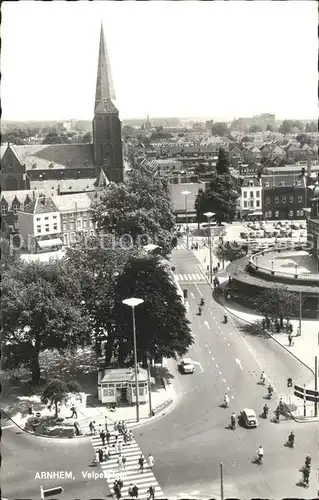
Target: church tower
{"type": "Point", "coordinates": [107, 139]}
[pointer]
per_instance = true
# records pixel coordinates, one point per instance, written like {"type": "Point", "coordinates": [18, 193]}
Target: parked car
{"type": "Point", "coordinates": [295, 226]}
{"type": "Point", "coordinates": [244, 235]}
{"type": "Point", "coordinates": [249, 418]}
{"type": "Point", "coordinates": [187, 366]}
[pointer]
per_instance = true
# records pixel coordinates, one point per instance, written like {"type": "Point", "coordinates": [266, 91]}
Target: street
{"type": "Point", "coordinates": [191, 441]}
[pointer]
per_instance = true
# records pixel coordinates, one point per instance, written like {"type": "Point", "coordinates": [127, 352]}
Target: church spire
{"type": "Point", "coordinates": [105, 92]}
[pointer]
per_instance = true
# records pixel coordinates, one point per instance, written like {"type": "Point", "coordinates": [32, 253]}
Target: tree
{"type": "Point", "coordinates": [269, 128]}
{"type": "Point", "coordinates": [162, 328]}
{"type": "Point", "coordinates": [219, 197]}
{"type": "Point", "coordinates": [138, 212]}
{"type": "Point", "coordinates": [222, 165]}
{"type": "Point", "coordinates": [219, 129]}
{"type": "Point", "coordinates": [40, 310]}
{"type": "Point", "coordinates": [304, 139]}
{"type": "Point", "coordinates": [9, 253]}
{"type": "Point", "coordinates": [52, 138]}
{"type": "Point", "coordinates": [230, 251]}
{"type": "Point", "coordinates": [311, 127]}
{"type": "Point", "coordinates": [255, 128]}
{"type": "Point", "coordinates": [278, 303]}
{"type": "Point", "coordinates": [56, 391]}
{"type": "Point", "coordinates": [87, 138]}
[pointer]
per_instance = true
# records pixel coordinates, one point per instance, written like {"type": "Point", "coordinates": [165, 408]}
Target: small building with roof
{"type": "Point", "coordinates": [117, 385]}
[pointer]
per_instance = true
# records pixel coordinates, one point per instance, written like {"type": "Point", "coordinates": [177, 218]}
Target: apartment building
{"type": "Point", "coordinates": [75, 216]}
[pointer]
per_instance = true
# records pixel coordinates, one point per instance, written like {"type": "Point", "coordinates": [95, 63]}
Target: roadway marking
{"type": "Point", "coordinates": [220, 373]}
{"type": "Point", "coordinates": [228, 344]}
{"type": "Point", "coordinates": [192, 295]}
{"type": "Point", "coordinates": [206, 324]}
{"type": "Point", "coordinates": [225, 338]}
{"type": "Point", "coordinates": [239, 363]}
{"type": "Point", "coordinates": [213, 358]}
{"type": "Point", "coordinates": [232, 397]}
{"type": "Point", "coordinates": [224, 380]}
{"type": "Point", "coordinates": [228, 388]}
{"type": "Point", "coordinates": [209, 351]}
{"type": "Point", "coordinates": [198, 363]}
{"type": "Point", "coordinates": [216, 365]}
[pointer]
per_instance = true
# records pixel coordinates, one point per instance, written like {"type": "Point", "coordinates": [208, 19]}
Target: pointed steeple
{"type": "Point", "coordinates": [104, 84]}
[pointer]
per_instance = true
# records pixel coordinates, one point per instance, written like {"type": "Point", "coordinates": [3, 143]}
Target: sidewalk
{"type": "Point", "coordinates": [161, 398]}
{"type": "Point", "coordinates": [304, 347]}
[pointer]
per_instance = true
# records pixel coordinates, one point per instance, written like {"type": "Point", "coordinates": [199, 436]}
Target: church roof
{"type": "Point", "coordinates": [64, 186]}
{"type": "Point", "coordinates": [105, 92]}
{"type": "Point", "coordinates": [50, 156]}
{"type": "Point", "coordinates": [101, 180]}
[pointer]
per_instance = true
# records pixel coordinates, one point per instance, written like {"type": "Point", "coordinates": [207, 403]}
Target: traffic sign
{"type": "Point", "coordinates": [289, 382]}
{"type": "Point", "coordinates": [306, 394]}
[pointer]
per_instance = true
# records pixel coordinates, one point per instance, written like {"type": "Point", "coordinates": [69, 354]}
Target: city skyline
{"type": "Point", "coordinates": [161, 72]}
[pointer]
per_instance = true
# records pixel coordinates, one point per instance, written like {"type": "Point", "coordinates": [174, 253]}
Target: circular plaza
{"type": "Point", "coordinates": [296, 270]}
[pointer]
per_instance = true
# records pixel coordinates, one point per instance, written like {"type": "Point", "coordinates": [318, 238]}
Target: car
{"type": "Point", "coordinates": [249, 418]}
{"type": "Point", "coordinates": [187, 365]}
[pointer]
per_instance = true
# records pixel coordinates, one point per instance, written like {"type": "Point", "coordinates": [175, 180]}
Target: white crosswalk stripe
{"type": "Point", "coordinates": [190, 277]}
{"type": "Point", "coordinates": [130, 474]}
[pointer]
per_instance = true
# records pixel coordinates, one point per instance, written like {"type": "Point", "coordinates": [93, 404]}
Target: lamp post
{"type": "Point", "coordinates": [186, 193]}
{"type": "Point", "coordinates": [209, 215]}
{"type": "Point", "coordinates": [133, 302]}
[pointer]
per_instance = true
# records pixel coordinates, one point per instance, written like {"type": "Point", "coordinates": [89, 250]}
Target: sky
{"type": "Point", "coordinates": [218, 60]}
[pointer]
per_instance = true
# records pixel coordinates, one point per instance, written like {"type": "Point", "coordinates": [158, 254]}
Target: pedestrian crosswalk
{"type": "Point", "coordinates": [130, 473]}
{"type": "Point", "coordinates": [192, 277]}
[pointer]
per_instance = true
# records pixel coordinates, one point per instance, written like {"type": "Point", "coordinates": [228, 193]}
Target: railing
{"type": "Point", "coordinates": [294, 274]}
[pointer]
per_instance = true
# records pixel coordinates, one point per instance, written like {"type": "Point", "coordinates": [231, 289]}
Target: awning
{"type": "Point", "coordinates": [50, 243]}
{"type": "Point", "coordinates": [257, 213]}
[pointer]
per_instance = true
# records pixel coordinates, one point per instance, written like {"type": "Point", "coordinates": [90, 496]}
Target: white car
{"type": "Point", "coordinates": [249, 418]}
{"type": "Point", "coordinates": [187, 365]}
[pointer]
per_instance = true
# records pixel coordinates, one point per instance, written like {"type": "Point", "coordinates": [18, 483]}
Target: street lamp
{"type": "Point", "coordinates": [209, 215]}
{"type": "Point", "coordinates": [133, 302]}
{"type": "Point", "coordinates": [186, 193]}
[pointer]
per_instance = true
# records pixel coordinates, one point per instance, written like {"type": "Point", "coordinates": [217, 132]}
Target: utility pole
{"type": "Point", "coordinates": [316, 384]}
{"type": "Point", "coordinates": [300, 311]}
{"type": "Point", "coordinates": [149, 387]}
{"type": "Point", "coordinates": [221, 482]}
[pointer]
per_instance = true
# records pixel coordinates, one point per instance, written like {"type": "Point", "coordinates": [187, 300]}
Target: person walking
{"type": "Point", "coordinates": [135, 491]}
{"type": "Point", "coordinates": [151, 493]}
{"type": "Point", "coordinates": [100, 452]}
{"type": "Point", "coordinates": [103, 436]}
{"type": "Point", "coordinates": [151, 460]}
{"type": "Point", "coordinates": [289, 339]}
{"type": "Point", "coordinates": [92, 428]}
{"type": "Point", "coordinates": [119, 447]}
{"type": "Point", "coordinates": [120, 462]}
{"type": "Point", "coordinates": [130, 490]}
{"type": "Point", "coordinates": [108, 436]}
{"type": "Point", "coordinates": [74, 412]}
{"type": "Point", "coordinates": [124, 461]}
{"type": "Point", "coordinates": [106, 453]}
{"type": "Point", "coordinates": [141, 463]}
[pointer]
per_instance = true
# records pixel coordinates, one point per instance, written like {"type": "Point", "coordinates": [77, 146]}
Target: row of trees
{"type": "Point", "coordinates": [219, 196]}
{"type": "Point", "coordinates": [77, 301]}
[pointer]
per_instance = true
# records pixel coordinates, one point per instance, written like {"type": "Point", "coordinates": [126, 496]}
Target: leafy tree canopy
{"type": "Point", "coordinates": [287, 126]}
{"type": "Point", "coordinates": [222, 165]}
{"type": "Point", "coordinates": [229, 251]}
{"type": "Point", "coordinates": [56, 391]}
{"type": "Point", "coordinates": [87, 137]}
{"type": "Point", "coordinates": [219, 129]}
{"type": "Point", "coordinates": [278, 303]}
{"type": "Point", "coordinates": [40, 310]}
{"type": "Point", "coordinates": [161, 325]}
{"type": "Point", "coordinates": [255, 128]}
{"type": "Point", "coordinates": [219, 197]}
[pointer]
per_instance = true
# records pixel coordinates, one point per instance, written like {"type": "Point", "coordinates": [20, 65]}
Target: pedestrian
{"type": "Point", "coordinates": [290, 339]}
{"type": "Point", "coordinates": [291, 328]}
{"type": "Point", "coordinates": [117, 490]}
{"type": "Point", "coordinates": [106, 455]}
{"type": "Point", "coordinates": [96, 458]}
{"type": "Point", "coordinates": [74, 412]}
{"type": "Point", "coordinates": [124, 426]}
{"type": "Point", "coordinates": [108, 435]}
{"type": "Point", "coordinates": [151, 493]}
{"type": "Point", "coordinates": [91, 427]}
{"type": "Point", "coordinates": [135, 491]}
{"type": "Point", "coordinates": [115, 426]}
{"type": "Point", "coordinates": [119, 427]}
{"type": "Point", "coordinates": [119, 447]}
{"type": "Point", "coordinates": [130, 490]}
{"type": "Point", "coordinates": [306, 474]}
{"type": "Point", "coordinates": [264, 323]}
{"type": "Point", "coordinates": [116, 447]}
{"type": "Point", "coordinates": [151, 460]}
{"type": "Point", "coordinates": [141, 463]}
{"type": "Point", "coordinates": [218, 265]}
{"type": "Point", "coordinates": [124, 461]}
{"type": "Point", "coordinates": [103, 436]}
{"type": "Point", "coordinates": [100, 452]}
{"type": "Point", "coordinates": [120, 462]}
{"type": "Point", "coordinates": [105, 424]}
{"type": "Point", "coordinates": [125, 437]}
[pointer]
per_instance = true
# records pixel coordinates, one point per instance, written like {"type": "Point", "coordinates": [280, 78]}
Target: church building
{"type": "Point", "coordinates": [72, 168]}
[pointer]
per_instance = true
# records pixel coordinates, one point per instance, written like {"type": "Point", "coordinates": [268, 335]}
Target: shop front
{"type": "Point", "coordinates": [117, 386]}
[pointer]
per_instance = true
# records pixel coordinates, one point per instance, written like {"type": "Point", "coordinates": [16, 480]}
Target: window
{"type": "Point", "coordinates": [291, 213]}
{"type": "Point", "coordinates": [79, 224]}
{"type": "Point", "coordinates": [47, 228]}
{"type": "Point", "coordinates": [269, 213]}
{"type": "Point", "coordinates": [245, 194]}
{"type": "Point", "coordinates": [299, 199]}
{"type": "Point", "coordinates": [46, 218]}
{"type": "Point", "coordinates": [15, 208]}
{"type": "Point", "coordinates": [251, 184]}
{"type": "Point", "coordinates": [55, 217]}
{"type": "Point", "coordinates": [291, 199]}
{"type": "Point", "coordinates": [38, 229]}
{"type": "Point", "coordinates": [283, 199]}
{"type": "Point", "coordinates": [282, 183]}
{"type": "Point", "coordinates": [251, 204]}
{"type": "Point", "coordinates": [267, 200]}
{"type": "Point", "coordinates": [38, 219]}
{"type": "Point", "coordinates": [276, 199]}
{"type": "Point", "coordinates": [72, 238]}
{"type": "Point", "coordinates": [4, 209]}
{"type": "Point", "coordinates": [64, 226]}
{"type": "Point", "coordinates": [91, 222]}
{"type": "Point", "coordinates": [257, 203]}
{"type": "Point", "coordinates": [245, 204]}
{"type": "Point", "coordinates": [85, 223]}
{"type": "Point", "coordinates": [72, 224]}
{"type": "Point", "coordinates": [251, 194]}
{"type": "Point", "coordinates": [55, 226]}
{"type": "Point", "coordinates": [277, 213]}
{"type": "Point", "coordinates": [257, 194]}
{"type": "Point", "coordinates": [301, 213]}
{"type": "Point", "coordinates": [266, 184]}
